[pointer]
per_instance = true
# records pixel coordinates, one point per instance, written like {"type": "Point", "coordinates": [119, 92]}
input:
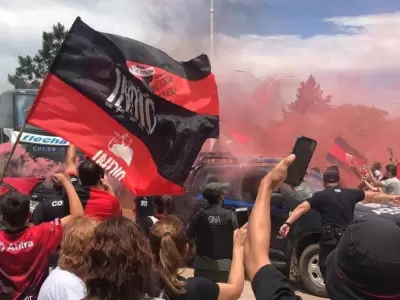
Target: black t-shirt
{"type": "Point", "coordinates": [144, 207]}
{"type": "Point", "coordinates": [197, 288]}
{"type": "Point", "coordinates": [270, 284]}
{"type": "Point", "coordinates": [336, 205]}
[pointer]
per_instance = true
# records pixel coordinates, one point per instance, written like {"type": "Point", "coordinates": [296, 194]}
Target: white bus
{"type": "Point", "coordinates": [14, 105]}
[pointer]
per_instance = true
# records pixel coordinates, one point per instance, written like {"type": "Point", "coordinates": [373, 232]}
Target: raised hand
{"type": "Point", "coordinates": [284, 231]}
{"type": "Point", "coordinates": [240, 235]}
{"type": "Point", "coordinates": [278, 174]}
{"type": "Point", "coordinates": [390, 150]}
{"type": "Point", "coordinates": [60, 178]}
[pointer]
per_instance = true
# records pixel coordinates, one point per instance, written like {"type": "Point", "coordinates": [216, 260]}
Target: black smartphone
{"type": "Point", "coordinates": [303, 149]}
{"type": "Point", "coordinates": [242, 215]}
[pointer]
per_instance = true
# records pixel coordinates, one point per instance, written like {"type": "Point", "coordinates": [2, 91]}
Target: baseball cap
{"type": "Point", "coordinates": [214, 189]}
{"type": "Point", "coordinates": [331, 176]}
{"type": "Point", "coordinates": [366, 263]}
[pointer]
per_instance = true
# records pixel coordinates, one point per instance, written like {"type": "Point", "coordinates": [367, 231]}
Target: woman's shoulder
{"type": "Point", "coordinates": [199, 288]}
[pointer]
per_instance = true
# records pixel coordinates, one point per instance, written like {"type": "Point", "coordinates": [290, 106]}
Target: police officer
{"type": "Point", "coordinates": [51, 204]}
{"type": "Point", "coordinates": [212, 229]}
{"type": "Point", "coordinates": [336, 207]}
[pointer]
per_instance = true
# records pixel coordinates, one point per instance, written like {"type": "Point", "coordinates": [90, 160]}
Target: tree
{"type": "Point", "coordinates": [309, 97]}
{"type": "Point", "coordinates": [32, 70]}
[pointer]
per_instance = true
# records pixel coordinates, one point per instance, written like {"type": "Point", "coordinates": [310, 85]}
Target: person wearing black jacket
{"type": "Point", "coordinates": [212, 230]}
{"type": "Point", "coordinates": [336, 206]}
{"type": "Point", "coordinates": [51, 204]}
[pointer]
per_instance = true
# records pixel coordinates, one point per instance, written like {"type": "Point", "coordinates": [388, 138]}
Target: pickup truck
{"type": "Point", "coordinates": [297, 255]}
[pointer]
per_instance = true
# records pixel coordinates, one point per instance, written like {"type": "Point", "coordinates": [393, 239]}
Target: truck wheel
{"type": "Point", "coordinates": [310, 275]}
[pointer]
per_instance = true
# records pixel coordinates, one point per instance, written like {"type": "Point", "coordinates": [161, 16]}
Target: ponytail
{"type": "Point", "coordinates": [170, 260]}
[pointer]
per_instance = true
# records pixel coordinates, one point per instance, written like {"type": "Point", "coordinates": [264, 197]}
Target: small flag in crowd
{"type": "Point", "coordinates": [345, 156]}
{"type": "Point", "coordinates": [24, 186]}
{"type": "Point", "coordinates": [94, 100]}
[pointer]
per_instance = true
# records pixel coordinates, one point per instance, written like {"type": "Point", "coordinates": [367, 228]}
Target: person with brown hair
{"type": "Point", "coordinates": [169, 244]}
{"type": "Point", "coordinates": [65, 281]}
{"type": "Point", "coordinates": [119, 261]}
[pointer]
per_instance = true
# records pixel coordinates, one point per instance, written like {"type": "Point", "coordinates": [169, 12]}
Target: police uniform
{"type": "Point", "coordinates": [336, 207]}
{"type": "Point", "coordinates": [212, 228]}
{"type": "Point", "coordinates": [51, 204]}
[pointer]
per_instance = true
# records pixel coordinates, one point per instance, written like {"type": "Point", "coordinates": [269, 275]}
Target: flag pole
{"type": "Point", "coordinates": [32, 108]}
{"type": "Point", "coordinates": [1, 139]}
{"type": "Point", "coordinates": [212, 33]}
{"type": "Point", "coordinates": [214, 143]}
{"type": "Point", "coordinates": [14, 147]}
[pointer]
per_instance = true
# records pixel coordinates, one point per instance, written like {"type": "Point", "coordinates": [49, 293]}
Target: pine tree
{"type": "Point", "coordinates": [32, 70]}
{"type": "Point", "coordinates": [309, 97]}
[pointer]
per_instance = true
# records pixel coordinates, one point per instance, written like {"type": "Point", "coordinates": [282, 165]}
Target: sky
{"type": "Point", "coordinates": [350, 46]}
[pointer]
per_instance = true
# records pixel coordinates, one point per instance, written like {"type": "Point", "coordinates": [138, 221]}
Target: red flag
{"type": "Point", "coordinates": [24, 185]}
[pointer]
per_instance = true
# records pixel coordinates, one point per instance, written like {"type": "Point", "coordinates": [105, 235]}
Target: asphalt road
{"type": "Point", "coordinates": [248, 293]}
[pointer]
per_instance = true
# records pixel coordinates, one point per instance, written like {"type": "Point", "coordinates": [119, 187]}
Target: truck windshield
{"type": "Point", "coordinates": [23, 102]}
{"type": "Point", "coordinates": [313, 183]}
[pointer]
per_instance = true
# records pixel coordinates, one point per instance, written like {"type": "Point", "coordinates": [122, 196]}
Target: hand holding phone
{"type": "Point", "coordinates": [303, 149]}
{"type": "Point", "coordinates": [242, 216]}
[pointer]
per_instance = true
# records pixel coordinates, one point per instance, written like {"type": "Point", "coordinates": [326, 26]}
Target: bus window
{"type": "Point", "coordinates": [23, 103]}
{"type": "Point", "coordinates": [6, 110]}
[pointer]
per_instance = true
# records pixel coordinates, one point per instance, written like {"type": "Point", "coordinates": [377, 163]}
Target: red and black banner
{"type": "Point", "coordinates": [345, 156]}
{"type": "Point", "coordinates": [92, 99]}
{"type": "Point", "coordinates": [189, 84]}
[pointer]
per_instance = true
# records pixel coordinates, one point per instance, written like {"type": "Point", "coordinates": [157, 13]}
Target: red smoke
{"type": "Point", "coordinates": [23, 165]}
{"type": "Point", "coordinates": [272, 125]}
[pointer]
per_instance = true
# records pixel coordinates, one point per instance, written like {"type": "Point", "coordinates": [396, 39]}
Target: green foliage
{"type": "Point", "coordinates": [32, 70]}
{"type": "Point", "coordinates": [309, 97]}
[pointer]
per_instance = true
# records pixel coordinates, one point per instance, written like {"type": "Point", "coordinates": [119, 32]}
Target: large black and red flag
{"type": "Point", "coordinates": [91, 99]}
{"type": "Point", "coordinates": [345, 156]}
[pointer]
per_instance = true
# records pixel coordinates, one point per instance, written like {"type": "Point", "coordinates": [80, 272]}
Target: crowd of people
{"type": "Point", "coordinates": [83, 248]}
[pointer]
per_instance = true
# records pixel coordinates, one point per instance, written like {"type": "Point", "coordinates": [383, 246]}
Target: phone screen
{"type": "Point", "coordinates": [242, 216]}
{"type": "Point", "coordinates": [304, 150]}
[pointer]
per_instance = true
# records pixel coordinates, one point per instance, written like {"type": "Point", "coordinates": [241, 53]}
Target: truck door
{"type": "Point", "coordinates": [279, 214]}
{"type": "Point", "coordinates": [279, 211]}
